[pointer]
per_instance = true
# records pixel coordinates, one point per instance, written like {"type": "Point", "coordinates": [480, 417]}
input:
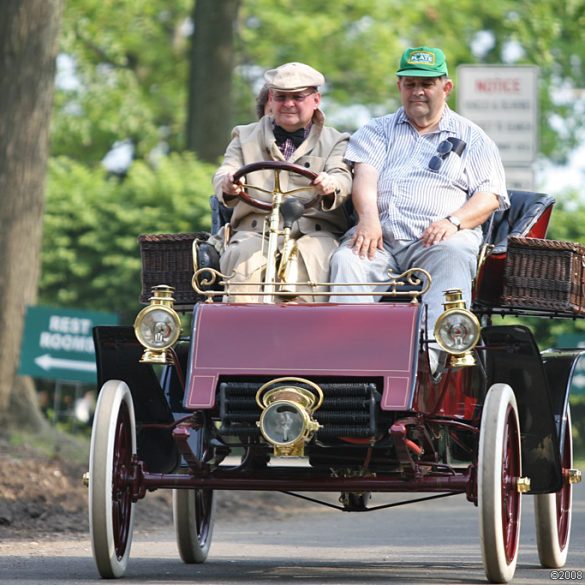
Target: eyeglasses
{"type": "Point", "coordinates": [450, 145]}
{"type": "Point", "coordinates": [295, 97]}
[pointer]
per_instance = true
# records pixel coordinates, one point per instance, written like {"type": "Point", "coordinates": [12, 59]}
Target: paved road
{"type": "Point", "coordinates": [426, 543]}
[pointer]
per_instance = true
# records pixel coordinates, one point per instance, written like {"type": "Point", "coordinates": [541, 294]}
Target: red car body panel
{"type": "Point", "coordinates": [310, 341]}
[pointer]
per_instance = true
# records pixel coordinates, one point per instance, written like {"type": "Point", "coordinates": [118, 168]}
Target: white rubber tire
{"type": "Point", "coordinates": [111, 519]}
{"type": "Point", "coordinates": [499, 502]}
{"type": "Point", "coordinates": [553, 529]}
{"type": "Point", "coordinates": [193, 517]}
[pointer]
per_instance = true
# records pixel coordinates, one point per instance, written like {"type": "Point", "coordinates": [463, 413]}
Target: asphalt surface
{"type": "Point", "coordinates": [428, 543]}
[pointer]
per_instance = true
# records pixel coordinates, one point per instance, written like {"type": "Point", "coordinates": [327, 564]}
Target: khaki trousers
{"type": "Point", "coordinates": [245, 258]}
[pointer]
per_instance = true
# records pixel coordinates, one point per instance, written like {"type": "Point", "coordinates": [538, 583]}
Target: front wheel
{"type": "Point", "coordinates": [499, 467]}
{"type": "Point", "coordinates": [553, 512]}
{"type": "Point", "coordinates": [111, 509]}
{"type": "Point", "coordinates": [193, 517]}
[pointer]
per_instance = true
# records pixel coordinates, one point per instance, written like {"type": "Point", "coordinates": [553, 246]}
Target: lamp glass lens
{"type": "Point", "coordinates": [283, 422]}
{"type": "Point", "coordinates": [158, 329]}
{"type": "Point", "coordinates": [457, 332]}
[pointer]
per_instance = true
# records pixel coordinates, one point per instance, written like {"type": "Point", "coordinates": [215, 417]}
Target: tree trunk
{"type": "Point", "coordinates": [210, 80]}
{"type": "Point", "coordinates": [28, 50]}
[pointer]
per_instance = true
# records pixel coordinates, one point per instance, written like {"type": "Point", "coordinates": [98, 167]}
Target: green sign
{"type": "Point", "coordinates": [58, 344]}
{"type": "Point", "coordinates": [571, 340]}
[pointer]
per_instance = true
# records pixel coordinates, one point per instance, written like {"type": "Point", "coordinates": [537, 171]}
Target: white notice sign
{"type": "Point", "coordinates": [503, 100]}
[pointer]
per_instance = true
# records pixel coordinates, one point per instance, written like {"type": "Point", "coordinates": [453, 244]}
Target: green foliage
{"type": "Point", "coordinates": [357, 45]}
{"type": "Point", "coordinates": [91, 257]}
{"type": "Point", "coordinates": [130, 68]}
{"type": "Point", "coordinates": [131, 60]}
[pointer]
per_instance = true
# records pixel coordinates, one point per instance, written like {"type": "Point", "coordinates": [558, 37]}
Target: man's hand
{"type": "Point", "coordinates": [324, 184]}
{"type": "Point", "coordinates": [437, 232]}
{"type": "Point", "coordinates": [229, 187]}
{"type": "Point", "coordinates": [367, 238]}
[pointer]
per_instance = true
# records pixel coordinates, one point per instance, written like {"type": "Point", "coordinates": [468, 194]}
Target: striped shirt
{"type": "Point", "coordinates": [410, 194]}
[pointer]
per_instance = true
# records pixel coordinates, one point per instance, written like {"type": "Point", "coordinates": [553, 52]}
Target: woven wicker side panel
{"type": "Point", "coordinates": [544, 274]}
{"type": "Point", "coordinates": [168, 259]}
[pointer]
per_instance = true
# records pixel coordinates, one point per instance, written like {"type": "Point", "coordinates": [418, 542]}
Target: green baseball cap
{"type": "Point", "coordinates": [422, 62]}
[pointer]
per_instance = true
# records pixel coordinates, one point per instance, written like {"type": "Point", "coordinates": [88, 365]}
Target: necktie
{"type": "Point", "coordinates": [281, 135]}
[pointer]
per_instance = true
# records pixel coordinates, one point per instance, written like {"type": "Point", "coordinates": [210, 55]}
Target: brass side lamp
{"type": "Point", "coordinates": [158, 326]}
{"type": "Point", "coordinates": [457, 330]}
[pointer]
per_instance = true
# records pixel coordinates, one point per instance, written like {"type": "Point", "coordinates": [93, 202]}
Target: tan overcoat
{"type": "Point", "coordinates": [319, 229]}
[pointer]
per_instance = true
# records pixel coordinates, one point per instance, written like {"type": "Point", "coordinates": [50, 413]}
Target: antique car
{"type": "Point", "coordinates": [188, 403]}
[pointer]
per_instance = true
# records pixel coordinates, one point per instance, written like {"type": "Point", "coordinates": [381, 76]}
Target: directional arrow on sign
{"type": "Point", "coordinates": [47, 362]}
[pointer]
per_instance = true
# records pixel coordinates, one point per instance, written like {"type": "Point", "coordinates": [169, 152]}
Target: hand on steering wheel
{"type": "Point", "coordinates": [277, 167]}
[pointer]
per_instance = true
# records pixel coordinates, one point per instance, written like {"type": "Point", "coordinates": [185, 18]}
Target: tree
{"type": "Point", "coordinates": [28, 47]}
{"type": "Point", "coordinates": [211, 61]}
{"type": "Point", "coordinates": [91, 257]}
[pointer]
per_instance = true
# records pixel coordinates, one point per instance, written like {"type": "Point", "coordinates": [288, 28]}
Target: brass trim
{"type": "Point", "coordinates": [574, 476]}
{"type": "Point", "coordinates": [264, 388]}
{"type": "Point", "coordinates": [413, 277]}
{"type": "Point", "coordinates": [303, 400]}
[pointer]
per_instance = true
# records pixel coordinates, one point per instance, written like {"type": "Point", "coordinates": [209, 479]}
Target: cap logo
{"type": "Point", "coordinates": [421, 58]}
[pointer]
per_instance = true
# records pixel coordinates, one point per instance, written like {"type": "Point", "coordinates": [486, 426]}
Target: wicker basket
{"type": "Point", "coordinates": [545, 275]}
{"type": "Point", "coordinates": [168, 259]}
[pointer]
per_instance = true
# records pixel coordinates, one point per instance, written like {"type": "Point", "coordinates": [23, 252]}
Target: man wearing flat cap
{"type": "Point", "coordinates": [293, 132]}
{"type": "Point", "coordinates": [425, 180]}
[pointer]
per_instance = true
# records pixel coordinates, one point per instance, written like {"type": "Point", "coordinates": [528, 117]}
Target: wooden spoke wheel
{"type": "Point", "coordinates": [194, 517]}
{"type": "Point", "coordinates": [499, 467]}
{"type": "Point", "coordinates": [111, 510]}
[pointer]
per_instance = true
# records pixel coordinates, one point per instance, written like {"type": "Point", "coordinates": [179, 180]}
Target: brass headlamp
{"type": "Point", "coordinates": [457, 330]}
{"type": "Point", "coordinates": [158, 327]}
{"type": "Point", "coordinates": [287, 420]}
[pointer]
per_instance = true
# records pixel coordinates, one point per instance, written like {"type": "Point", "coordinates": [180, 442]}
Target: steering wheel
{"type": "Point", "coordinates": [277, 167]}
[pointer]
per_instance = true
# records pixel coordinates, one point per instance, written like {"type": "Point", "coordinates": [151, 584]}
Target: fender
{"type": "Point", "coordinates": [513, 358]}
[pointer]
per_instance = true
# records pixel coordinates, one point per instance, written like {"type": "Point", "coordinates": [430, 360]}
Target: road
{"type": "Point", "coordinates": [428, 543]}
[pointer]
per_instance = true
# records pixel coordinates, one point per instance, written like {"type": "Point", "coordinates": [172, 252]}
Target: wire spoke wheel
{"type": "Point", "coordinates": [111, 509]}
{"type": "Point", "coordinates": [553, 512]}
{"type": "Point", "coordinates": [498, 497]}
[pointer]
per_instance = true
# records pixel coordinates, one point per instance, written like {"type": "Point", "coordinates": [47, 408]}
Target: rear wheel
{"type": "Point", "coordinates": [111, 509]}
{"type": "Point", "coordinates": [194, 517]}
{"type": "Point", "coordinates": [553, 512]}
{"type": "Point", "coordinates": [499, 468]}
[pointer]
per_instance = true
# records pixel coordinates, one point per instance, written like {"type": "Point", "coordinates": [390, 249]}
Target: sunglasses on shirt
{"type": "Point", "coordinates": [452, 144]}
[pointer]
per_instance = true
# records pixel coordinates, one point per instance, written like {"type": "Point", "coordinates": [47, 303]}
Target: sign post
{"type": "Point", "coordinates": [503, 101]}
{"type": "Point", "coordinates": [58, 343]}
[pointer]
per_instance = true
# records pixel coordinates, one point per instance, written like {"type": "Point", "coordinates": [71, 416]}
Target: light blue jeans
{"type": "Point", "coordinates": [451, 263]}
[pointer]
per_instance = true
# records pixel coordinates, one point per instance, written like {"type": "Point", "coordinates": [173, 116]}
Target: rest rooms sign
{"type": "Point", "coordinates": [503, 101]}
{"type": "Point", "coordinates": [57, 343]}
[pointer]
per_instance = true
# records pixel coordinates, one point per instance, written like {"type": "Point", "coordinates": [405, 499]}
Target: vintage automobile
{"type": "Point", "coordinates": [189, 403]}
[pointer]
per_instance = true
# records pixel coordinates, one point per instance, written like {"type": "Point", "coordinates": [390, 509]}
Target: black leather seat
{"type": "Point", "coordinates": [207, 255]}
{"type": "Point", "coordinates": [524, 218]}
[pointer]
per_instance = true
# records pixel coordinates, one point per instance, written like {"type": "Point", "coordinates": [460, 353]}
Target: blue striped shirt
{"type": "Point", "coordinates": [410, 194]}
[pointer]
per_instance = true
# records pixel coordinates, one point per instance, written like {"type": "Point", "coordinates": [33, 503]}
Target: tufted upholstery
{"type": "Point", "coordinates": [527, 216]}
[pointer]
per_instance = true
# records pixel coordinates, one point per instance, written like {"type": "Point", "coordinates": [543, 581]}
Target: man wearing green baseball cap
{"type": "Point", "coordinates": [423, 62]}
{"type": "Point", "coordinates": [425, 180]}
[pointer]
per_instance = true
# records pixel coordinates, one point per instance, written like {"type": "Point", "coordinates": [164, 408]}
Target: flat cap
{"type": "Point", "coordinates": [293, 77]}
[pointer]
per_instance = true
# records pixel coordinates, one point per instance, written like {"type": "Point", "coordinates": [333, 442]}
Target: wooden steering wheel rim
{"type": "Point", "coordinates": [273, 165]}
